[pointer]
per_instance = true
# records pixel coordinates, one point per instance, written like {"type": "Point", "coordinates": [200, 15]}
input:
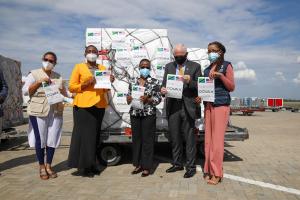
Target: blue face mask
{"type": "Point", "coordinates": [144, 72]}
{"type": "Point", "coordinates": [212, 57]}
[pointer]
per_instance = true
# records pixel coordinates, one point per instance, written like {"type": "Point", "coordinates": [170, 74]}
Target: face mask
{"type": "Point", "coordinates": [212, 57]}
{"type": "Point", "coordinates": [47, 65]}
{"type": "Point", "coordinates": [91, 57]}
{"type": "Point", "coordinates": [145, 72]}
{"type": "Point", "coordinates": [180, 59]}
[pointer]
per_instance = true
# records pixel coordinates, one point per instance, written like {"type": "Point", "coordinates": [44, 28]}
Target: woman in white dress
{"type": "Point", "coordinates": [45, 119]}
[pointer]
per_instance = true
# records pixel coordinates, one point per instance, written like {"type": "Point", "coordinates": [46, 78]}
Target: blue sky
{"type": "Point", "coordinates": [261, 37]}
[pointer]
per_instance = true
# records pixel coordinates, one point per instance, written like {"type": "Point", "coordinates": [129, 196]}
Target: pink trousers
{"type": "Point", "coordinates": [216, 121]}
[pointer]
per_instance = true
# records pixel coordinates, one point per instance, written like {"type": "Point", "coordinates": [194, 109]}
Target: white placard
{"type": "Point", "coordinates": [174, 86]}
{"type": "Point", "coordinates": [120, 102]}
{"type": "Point", "coordinates": [102, 79]}
{"type": "Point", "coordinates": [52, 93]}
{"type": "Point", "coordinates": [136, 93]}
{"type": "Point", "coordinates": [206, 89]}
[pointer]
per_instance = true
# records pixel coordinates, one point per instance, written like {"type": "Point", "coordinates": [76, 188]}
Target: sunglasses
{"type": "Point", "coordinates": [50, 61]}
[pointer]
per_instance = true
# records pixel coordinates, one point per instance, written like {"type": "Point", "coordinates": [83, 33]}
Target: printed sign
{"type": "Point", "coordinates": [120, 102]}
{"type": "Point", "coordinates": [136, 93]}
{"type": "Point", "coordinates": [174, 86]}
{"type": "Point", "coordinates": [118, 34]}
{"type": "Point", "coordinates": [159, 71]}
{"type": "Point", "coordinates": [123, 57]}
{"type": "Point", "coordinates": [52, 93]}
{"type": "Point", "coordinates": [102, 79]}
{"type": "Point", "coordinates": [206, 89]}
{"type": "Point", "coordinates": [138, 53]}
{"type": "Point", "coordinates": [163, 54]}
{"type": "Point", "coordinates": [93, 37]}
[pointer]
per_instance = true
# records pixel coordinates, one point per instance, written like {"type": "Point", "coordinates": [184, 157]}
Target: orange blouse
{"type": "Point", "coordinates": [89, 96]}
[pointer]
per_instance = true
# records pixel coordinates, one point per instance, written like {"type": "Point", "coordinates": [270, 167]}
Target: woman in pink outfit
{"type": "Point", "coordinates": [216, 113]}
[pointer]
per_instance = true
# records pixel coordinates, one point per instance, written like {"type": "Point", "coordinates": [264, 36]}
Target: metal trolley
{"type": "Point", "coordinates": [110, 151]}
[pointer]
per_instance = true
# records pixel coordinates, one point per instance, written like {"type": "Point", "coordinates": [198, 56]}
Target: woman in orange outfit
{"type": "Point", "coordinates": [216, 113]}
{"type": "Point", "coordinates": [88, 111]}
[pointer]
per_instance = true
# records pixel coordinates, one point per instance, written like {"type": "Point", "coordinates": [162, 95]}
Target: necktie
{"type": "Point", "coordinates": [181, 72]}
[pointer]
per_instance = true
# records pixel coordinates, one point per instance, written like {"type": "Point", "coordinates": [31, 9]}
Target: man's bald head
{"type": "Point", "coordinates": [180, 53]}
{"type": "Point", "coordinates": [179, 50]}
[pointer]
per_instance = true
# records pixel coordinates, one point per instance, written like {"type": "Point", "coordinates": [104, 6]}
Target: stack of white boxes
{"type": "Point", "coordinates": [122, 50]}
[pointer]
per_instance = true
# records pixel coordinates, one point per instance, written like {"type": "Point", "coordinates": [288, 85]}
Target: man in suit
{"type": "Point", "coordinates": [181, 113]}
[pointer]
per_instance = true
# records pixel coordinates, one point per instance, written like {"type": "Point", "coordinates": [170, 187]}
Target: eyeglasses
{"type": "Point", "coordinates": [50, 61]}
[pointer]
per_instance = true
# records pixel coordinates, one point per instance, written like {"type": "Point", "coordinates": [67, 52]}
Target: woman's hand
{"type": "Point", "coordinates": [144, 99]}
{"type": "Point", "coordinates": [216, 75]}
{"type": "Point", "coordinates": [88, 83]}
{"type": "Point", "coordinates": [163, 91]}
{"type": "Point", "coordinates": [46, 79]}
{"type": "Point", "coordinates": [33, 87]}
{"type": "Point", "coordinates": [129, 99]}
{"type": "Point", "coordinates": [186, 78]}
{"type": "Point", "coordinates": [112, 78]}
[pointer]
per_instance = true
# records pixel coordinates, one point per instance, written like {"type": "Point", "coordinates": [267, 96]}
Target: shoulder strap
{"type": "Point", "coordinates": [38, 74]}
{"type": "Point", "coordinates": [226, 63]}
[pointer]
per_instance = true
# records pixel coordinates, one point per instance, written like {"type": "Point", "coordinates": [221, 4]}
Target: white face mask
{"type": "Point", "coordinates": [47, 65]}
{"type": "Point", "coordinates": [91, 57]}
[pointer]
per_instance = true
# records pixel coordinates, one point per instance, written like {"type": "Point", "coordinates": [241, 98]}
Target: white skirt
{"type": "Point", "coordinates": [49, 130]}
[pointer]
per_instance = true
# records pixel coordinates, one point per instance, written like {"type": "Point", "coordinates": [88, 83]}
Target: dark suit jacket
{"type": "Point", "coordinates": [190, 90]}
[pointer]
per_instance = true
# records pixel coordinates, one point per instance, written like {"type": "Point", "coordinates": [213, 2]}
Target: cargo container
{"type": "Point", "coordinates": [274, 104]}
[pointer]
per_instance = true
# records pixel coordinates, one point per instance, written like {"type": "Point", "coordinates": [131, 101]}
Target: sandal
{"type": "Point", "coordinates": [206, 177]}
{"type": "Point", "coordinates": [214, 180]}
{"type": "Point", "coordinates": [51, 173]}
{"type": "Point", "coordinates": [43, 174]}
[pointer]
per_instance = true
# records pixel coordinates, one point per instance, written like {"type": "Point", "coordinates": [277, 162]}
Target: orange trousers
{"type": "Point", "coordinates": [216, 121]}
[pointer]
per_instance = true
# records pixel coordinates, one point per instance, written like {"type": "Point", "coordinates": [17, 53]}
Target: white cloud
{"type": "Point", "coordinates": [297, 79]}
{"type": "Point", "coordinates": [29, 28]}
{"type": "Point", "coordinates": [279, 76]}
{"type": "Point", "coordinates": [242, 72]}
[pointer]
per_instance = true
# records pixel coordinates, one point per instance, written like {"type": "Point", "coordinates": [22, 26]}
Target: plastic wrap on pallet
{"type": "Point", "coordinates": [200, 56]}
{"type": "Point", "coordinates": [12, 107]}
{"type": "Point", "coordinates": [121, 51]}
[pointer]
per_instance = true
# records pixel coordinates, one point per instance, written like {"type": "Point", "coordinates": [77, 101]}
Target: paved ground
{"type": "Point", "coordinates": [271, 155]}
